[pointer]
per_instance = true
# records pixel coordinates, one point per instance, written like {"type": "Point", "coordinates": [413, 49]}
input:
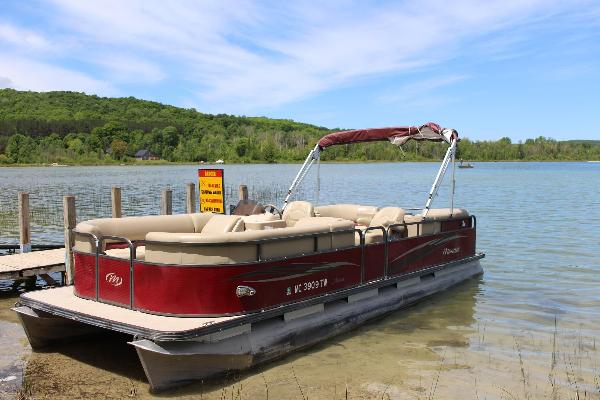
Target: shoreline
{"type": "Point", "coordinates": [170, 163]}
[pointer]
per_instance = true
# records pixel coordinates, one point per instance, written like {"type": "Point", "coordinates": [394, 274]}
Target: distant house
{"type": "Point", "coordinates": [145, 155]}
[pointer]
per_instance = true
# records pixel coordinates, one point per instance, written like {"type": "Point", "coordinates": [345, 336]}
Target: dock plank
{"type": "Point", "coordinates": [24, 264]}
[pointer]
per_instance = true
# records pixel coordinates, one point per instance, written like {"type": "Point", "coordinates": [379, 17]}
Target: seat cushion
{"type": "Point", "coordinates": [437, 214]}
{"type": "Point", "coordinates": [223, 224]}
{"type": "Point", "coordinates": [388, 216]}
{"type": "Point", "coordinates": [140, 253]}
{"type": "Point", "coordinates": [297, 210]}
{"type": "Point", "coordinates": [264, 217]}
{"type": "Point", "coordinates": [199, 220]}
{"type": "Point", "coordinates": [361, 215]}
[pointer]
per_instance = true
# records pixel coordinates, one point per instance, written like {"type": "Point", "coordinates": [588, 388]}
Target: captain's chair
{"type": "Point", "coordinates": [297, 210]}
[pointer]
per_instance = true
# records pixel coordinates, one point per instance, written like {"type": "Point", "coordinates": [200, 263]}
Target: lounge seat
{"type": "Point", "coordinates": [360, 215]}
{"type": "Point", "coordinates": [259, 222]}
{"type": "Point", "coordinates": [249, 245]}
{"type": "Point", "coordinates": [383, 218]}
{"type": "Point", "coordinates": [140, 253]}
{"type": "Point", "coordinates": [136, 228]}
{"type": "Point", "coordinates": [223, 224]}
{"type": "Point", "coordinates": [431, 225]}
{"type": "Point", "coordinates": [297, 210]}
{"type": "Point", "coordinates": [342, 230]}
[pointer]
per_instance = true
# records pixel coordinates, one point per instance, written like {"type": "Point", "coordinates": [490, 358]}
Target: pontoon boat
{"type": "Point", "coordinates": [201, 294]}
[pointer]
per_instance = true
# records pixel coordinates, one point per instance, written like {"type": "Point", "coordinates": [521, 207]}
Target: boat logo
{"type": "Point", "coordinates": [242, 291]}
{"type": "Point", "coordinates": [113, 279]}
{"type": "Point", "coordinates": [453, 250]}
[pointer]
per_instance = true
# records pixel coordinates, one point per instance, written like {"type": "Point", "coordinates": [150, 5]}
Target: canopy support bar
{"type": "Point", "coordinates": [453, 183]}
{"type": "Point", "coordinates": [310, 159]}
{"type": "Point", "coordinates": [440, 176]}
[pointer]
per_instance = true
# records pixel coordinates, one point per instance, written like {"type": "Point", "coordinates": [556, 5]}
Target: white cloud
{"type": "Point", "coordinates": [23, 38]}
{"type": "Point", "coordinates": [24, 74]}
{"type": "Point", "coordinates": [124, 68]}
{"type": "Point", "coordinates": [417, 91]}
{"type": "Point", "coordinates": [243, 57]}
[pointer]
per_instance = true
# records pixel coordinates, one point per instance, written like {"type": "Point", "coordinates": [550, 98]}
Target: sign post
{"type": "Point", "coordinates": [212, 193]}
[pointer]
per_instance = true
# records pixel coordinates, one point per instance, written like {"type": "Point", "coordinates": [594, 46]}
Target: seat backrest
{"type": "Point", "coordinates": [437, 214]}
{"type": "Point", "coordinates": [388, 216]}
{"type": "Point", "coordinates": [361, 215]}
{"type": "Point", "coordinates": [342, 231]}
{"type": "Point", "coordinates": [132, 228]}
{"type": "Point", "coordinates": [223, 224]}
{"type": "Point", "coordinates": [297, 210]}
{"type": "Point", "coordinates": [234, 247]}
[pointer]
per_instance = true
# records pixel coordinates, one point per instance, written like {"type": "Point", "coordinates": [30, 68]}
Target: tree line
{"type": "Point", "coordinates": [69, 127]}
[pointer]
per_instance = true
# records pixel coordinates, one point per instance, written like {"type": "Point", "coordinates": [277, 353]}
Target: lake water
{"type": "Point", "coordinates": [528, 328]}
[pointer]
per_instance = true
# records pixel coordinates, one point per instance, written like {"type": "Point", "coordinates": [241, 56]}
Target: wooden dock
{"type": "Point", "coordinates": [28, 265]}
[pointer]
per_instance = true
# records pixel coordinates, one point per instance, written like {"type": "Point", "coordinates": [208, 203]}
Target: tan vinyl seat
{"type": "Point", "coordinates": [361, 215]}
{"type": "Point", "coordinates": [384, 217]}
{"type": "Point", "coordinates": [136, 228]}
{"type": "Point", "coordinates": [140, 253]}
{"type": "Point", "coordinates": [223, 224]}
{"type": "Point", "coordinates": [259, 222]}
{"type": "Point", "coordinates": [437, 214]}
{"type": "Point", "coordinates": [297, 210]}
{"type": "Point", "coordinates": [431, 224]}
{"type": "Point", "coordinates": [342, 231]}
{"type": "Point", "coordinates": [234, 247]}
{"type": "Point", "coordinates": [260, 217]}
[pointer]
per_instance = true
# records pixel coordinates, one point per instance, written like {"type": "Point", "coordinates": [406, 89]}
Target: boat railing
{"type": "Point", "coordinates": [387, 232]}
{"type": "Point", "coordinates": [132, 255]}
{"type": "Point", "coordinates": [388, 236]}
{"type": "Point", "coordinates": [363, 245]}
{"type": "Point", "coordinates": [419, 224]}
{"type": "Point", "coordinates": [255, 241]}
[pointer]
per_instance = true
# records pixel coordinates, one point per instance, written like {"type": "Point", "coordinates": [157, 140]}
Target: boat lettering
{"type": "Point", "coordinates": [113, 279]}
{"type": "Point", "coordinates": [310, 285]}
{"type": "Point", "coordinates": [447, 251]}
{"type": "Point", "coordinates": [215, 192]}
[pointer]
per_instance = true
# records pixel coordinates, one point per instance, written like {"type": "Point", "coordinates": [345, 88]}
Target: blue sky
{"type": "Point", "coordinates": [487, 68]}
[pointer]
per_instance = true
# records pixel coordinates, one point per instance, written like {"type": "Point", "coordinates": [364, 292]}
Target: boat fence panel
{"type": "Point", "coordinates": [204, 290]}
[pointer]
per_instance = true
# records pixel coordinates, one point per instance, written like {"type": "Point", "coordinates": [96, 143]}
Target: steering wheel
{"type": "Point", "coordinates": [270, 208]}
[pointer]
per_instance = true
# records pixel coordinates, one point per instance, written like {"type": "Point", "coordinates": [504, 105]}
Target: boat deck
{"type": "Point", "coordinates": [62, 302]}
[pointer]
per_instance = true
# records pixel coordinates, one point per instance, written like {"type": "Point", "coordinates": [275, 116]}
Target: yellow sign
{"type": "Point", "coordinates": [212, 195]}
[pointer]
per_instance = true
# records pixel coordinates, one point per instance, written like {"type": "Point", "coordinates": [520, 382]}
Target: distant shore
{"type": "Point", "coordinates": [163, 163]}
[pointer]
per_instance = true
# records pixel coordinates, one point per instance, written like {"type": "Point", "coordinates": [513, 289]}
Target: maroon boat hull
{"type": "Point", "coordinates": [209, 290]}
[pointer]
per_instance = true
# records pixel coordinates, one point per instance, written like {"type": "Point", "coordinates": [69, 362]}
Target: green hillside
{"type": "Point", "coordinates": [70, 127]}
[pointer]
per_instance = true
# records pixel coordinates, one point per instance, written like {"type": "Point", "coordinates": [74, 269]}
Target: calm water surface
{"type": "Point", "coordinates": [528, 328]}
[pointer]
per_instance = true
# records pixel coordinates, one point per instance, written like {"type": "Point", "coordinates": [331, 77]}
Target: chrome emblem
{"type": "Point", "coordinates": [242, 291]}
{"type": "Point", "coordinates": [113, 279]}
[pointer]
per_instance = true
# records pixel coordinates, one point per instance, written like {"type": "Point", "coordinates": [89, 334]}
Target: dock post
{"type": "Point", "coordinates": [115, 196]}
{"type": "Point", "coordinates": [24, 226]}
{"type": "Point", "coordinates": [190, 199]}
{"type": "Point", "coordinates": [166, 202]}
{"type": "Point", "coordinates": [243, 192]}
{"type": "Point", "coordinates": [70, 220]}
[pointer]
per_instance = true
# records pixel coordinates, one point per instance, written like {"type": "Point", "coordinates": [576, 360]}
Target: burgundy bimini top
{"type": "Point", "coordinates": [397, 135]}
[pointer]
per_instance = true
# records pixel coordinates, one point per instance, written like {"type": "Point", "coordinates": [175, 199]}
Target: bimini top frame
{"type": "Point", "coordinates": [396, 135]}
